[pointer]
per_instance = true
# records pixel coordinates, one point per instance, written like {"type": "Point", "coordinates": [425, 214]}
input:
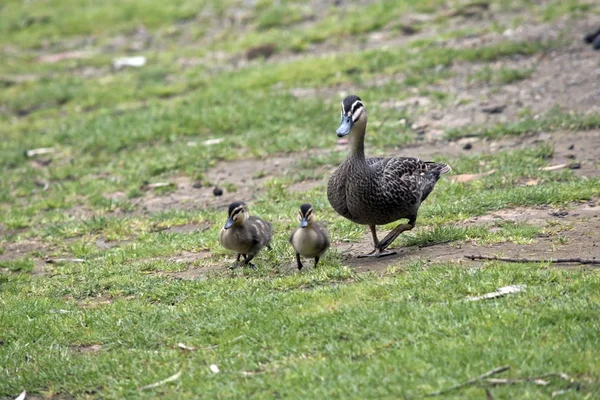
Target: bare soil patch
{"type": "Point", "coordinates": [579, 229]}
{"type": "Point", "coordinates": [249, 176]}
{"type": "Point", "coordinates": [193, 270]}
{"type": "Point", "coordinates": [564, 79]}
{"type": "Point", "coordinates": [239, 180]}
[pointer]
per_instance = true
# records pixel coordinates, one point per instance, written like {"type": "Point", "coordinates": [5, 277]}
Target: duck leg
{"type": "Point", "coordinates": [378, 251]}
{"type": "Point", "coordinates": [298, 261]}
{"type": "Point", "coordinates": [316, 261]}
{"type": "Point", "coordinates": [393, 235]}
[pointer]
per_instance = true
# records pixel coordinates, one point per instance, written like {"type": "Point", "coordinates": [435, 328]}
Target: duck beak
{"type": "Point", "coordinates": [228, 224]}
{"type": "Point", "coordinates": [303, 223]}
{"type": "Point", "coordinates": [345, 126]}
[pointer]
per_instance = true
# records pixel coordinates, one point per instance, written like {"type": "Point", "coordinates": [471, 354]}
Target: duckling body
{"type": "Point", "coordinates": [309, 239]}
{"type": "Point", "coordinates": [244, 234]}
{"type": "Point", "coordinates": [378, 191]}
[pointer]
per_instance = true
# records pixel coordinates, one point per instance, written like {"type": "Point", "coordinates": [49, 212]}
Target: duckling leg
{"type": "Point", "coordinates": [298, 261]}
{"type": "Point", "coordinates": [396, 232]}
{"type": "Point", "coordinates": [237, 261]}
{"type": "Point", "coordinates": [247, 259]}
{"type": "Point", "coordinates": [378, 251]}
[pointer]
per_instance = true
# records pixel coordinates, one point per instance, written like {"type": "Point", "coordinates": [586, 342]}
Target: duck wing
{"type": "Point", "coordinates": [410, 176]}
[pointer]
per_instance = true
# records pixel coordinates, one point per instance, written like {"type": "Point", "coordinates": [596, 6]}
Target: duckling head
{"type": "Point", "coordinates": [237, 214]}
{"type": "Point", "coordinates": [305, 215]}
{"type": "Point", "coordinates": [353, 115]}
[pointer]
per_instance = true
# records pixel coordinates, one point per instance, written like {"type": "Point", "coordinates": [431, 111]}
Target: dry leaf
{"type": "Point", "coordinates": [553, 167]}
{"type": "Point", "coordinates": [69, 55]}
{"type": "Point", "coordinates": [471, 177]}
{"type": "Point", "coordinates": [159, 383]}
{"type": "Point", "coordinates": [531, 182]}
{"type": "Point", "coordinates": [184, 347]}
{"type": "Point", "coordinates": [137, 62]}
{"type": "Point", "coordinates": [38, 152]}
{"type": "Point", "coordinates": [22, 395]}
{"type": "Point", "coordinates": [62, 260]}
{"type": "Point", "coordinates": [503, 291]}
{"type": "Point", "coordinates": [210, 142]}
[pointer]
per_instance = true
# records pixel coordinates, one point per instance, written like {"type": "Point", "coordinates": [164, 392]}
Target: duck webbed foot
{"type": "Point", "coordinates": [377, 252]}
{"type": "Point", "coordinates": [244, 263]}
{"type": "Point", "coordinates": [381, 246]}
{"type": "Point", "coordinates": [593, 39]}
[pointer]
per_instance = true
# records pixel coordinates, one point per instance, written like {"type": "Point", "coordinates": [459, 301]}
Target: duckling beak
{"type": "Point", "coordinates": [303, 223]}
{"type": "Point", "coordinates": [228, 224]}
{"type": "Point", "coordinates": [345, 126]}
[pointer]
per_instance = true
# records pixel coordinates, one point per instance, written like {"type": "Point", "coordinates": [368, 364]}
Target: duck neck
{"type": "Point", "coordinates": [356, 143]}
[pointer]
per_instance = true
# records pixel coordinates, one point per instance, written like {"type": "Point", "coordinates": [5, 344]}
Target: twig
{"type": "Point", "coordinates": [535, 260]}
{"type": "Point", "coordinates": [470, 381]}
{"type": "Point", "coordinates": [434, 243]}
{"type": "Point", "coordinates": [159, 383]}
{"type": "Point", "coordinates": [214, 346]}
{"type": "Point", "coordinates": [501, 381]}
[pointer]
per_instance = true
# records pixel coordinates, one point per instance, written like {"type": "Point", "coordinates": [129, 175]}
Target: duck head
{"type": "Point", "coordinates": [353, 115]}
{"type": "Point", "coordinates": [237, 214]}
{"type": "Point", "coordinates": [305, 215]}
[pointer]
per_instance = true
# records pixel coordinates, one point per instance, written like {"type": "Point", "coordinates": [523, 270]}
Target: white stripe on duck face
{"type": "Point", "coordinates": [357, 113]}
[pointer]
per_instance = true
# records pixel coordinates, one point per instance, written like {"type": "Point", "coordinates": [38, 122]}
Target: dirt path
{"type": "Point", "coordinates": [578, 229]}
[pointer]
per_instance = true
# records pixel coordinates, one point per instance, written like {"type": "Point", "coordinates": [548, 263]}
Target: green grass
{"type": "Point", "coordinates": [105, 327]}
{"type": "Point", "coordinates": [304, 334]}
{"type": "Point", "coordinates": [554, 120]}
{"type": "Point", "coordinates": [501, 76]}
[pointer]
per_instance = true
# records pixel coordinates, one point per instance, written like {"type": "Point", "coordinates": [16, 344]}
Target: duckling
{"type": "Point", "coordinates": [244, 234]}
{"type": "Point", "coordinates": [378, 191]}
{"type": "Point", "coordinates": [309, 239]}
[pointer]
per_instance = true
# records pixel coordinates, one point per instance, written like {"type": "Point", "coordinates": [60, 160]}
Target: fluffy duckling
{"type": "Point", "coordinates": [244, 234]}
{"type": "Point", "coordinates": [378, 191]}
{"type": "Point", "coordinates": [309, 239]}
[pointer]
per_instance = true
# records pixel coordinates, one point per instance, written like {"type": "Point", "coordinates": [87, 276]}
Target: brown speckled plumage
{"type": "Point", "coordinates": [378, 191]}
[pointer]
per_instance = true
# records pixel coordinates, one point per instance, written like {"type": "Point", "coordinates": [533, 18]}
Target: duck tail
{"type": "Point", "coordinates": [444, 168]}
{"type": "Point", "coordinates": [438, 169]}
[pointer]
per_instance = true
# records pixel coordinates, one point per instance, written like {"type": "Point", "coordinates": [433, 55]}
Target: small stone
{"type": "Point", "coordinates": [559, 214]}
{"type": "Point", "coordinates": [467, 146]}
{"type": "Point", "coordinates": [197, 185]}
{"type": "Point", "coordinates": [570, 156]}
{"type": "Point", "coordinates": [495, 109]}
{"type": "Point", "coordinates": [574, 165]}
{"type": "Point", "coordinates": [571, 147]}
{"type": "Point", "coordinates": [437, 116]}
{"type": "Point", "coordinates": [217, 191]}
